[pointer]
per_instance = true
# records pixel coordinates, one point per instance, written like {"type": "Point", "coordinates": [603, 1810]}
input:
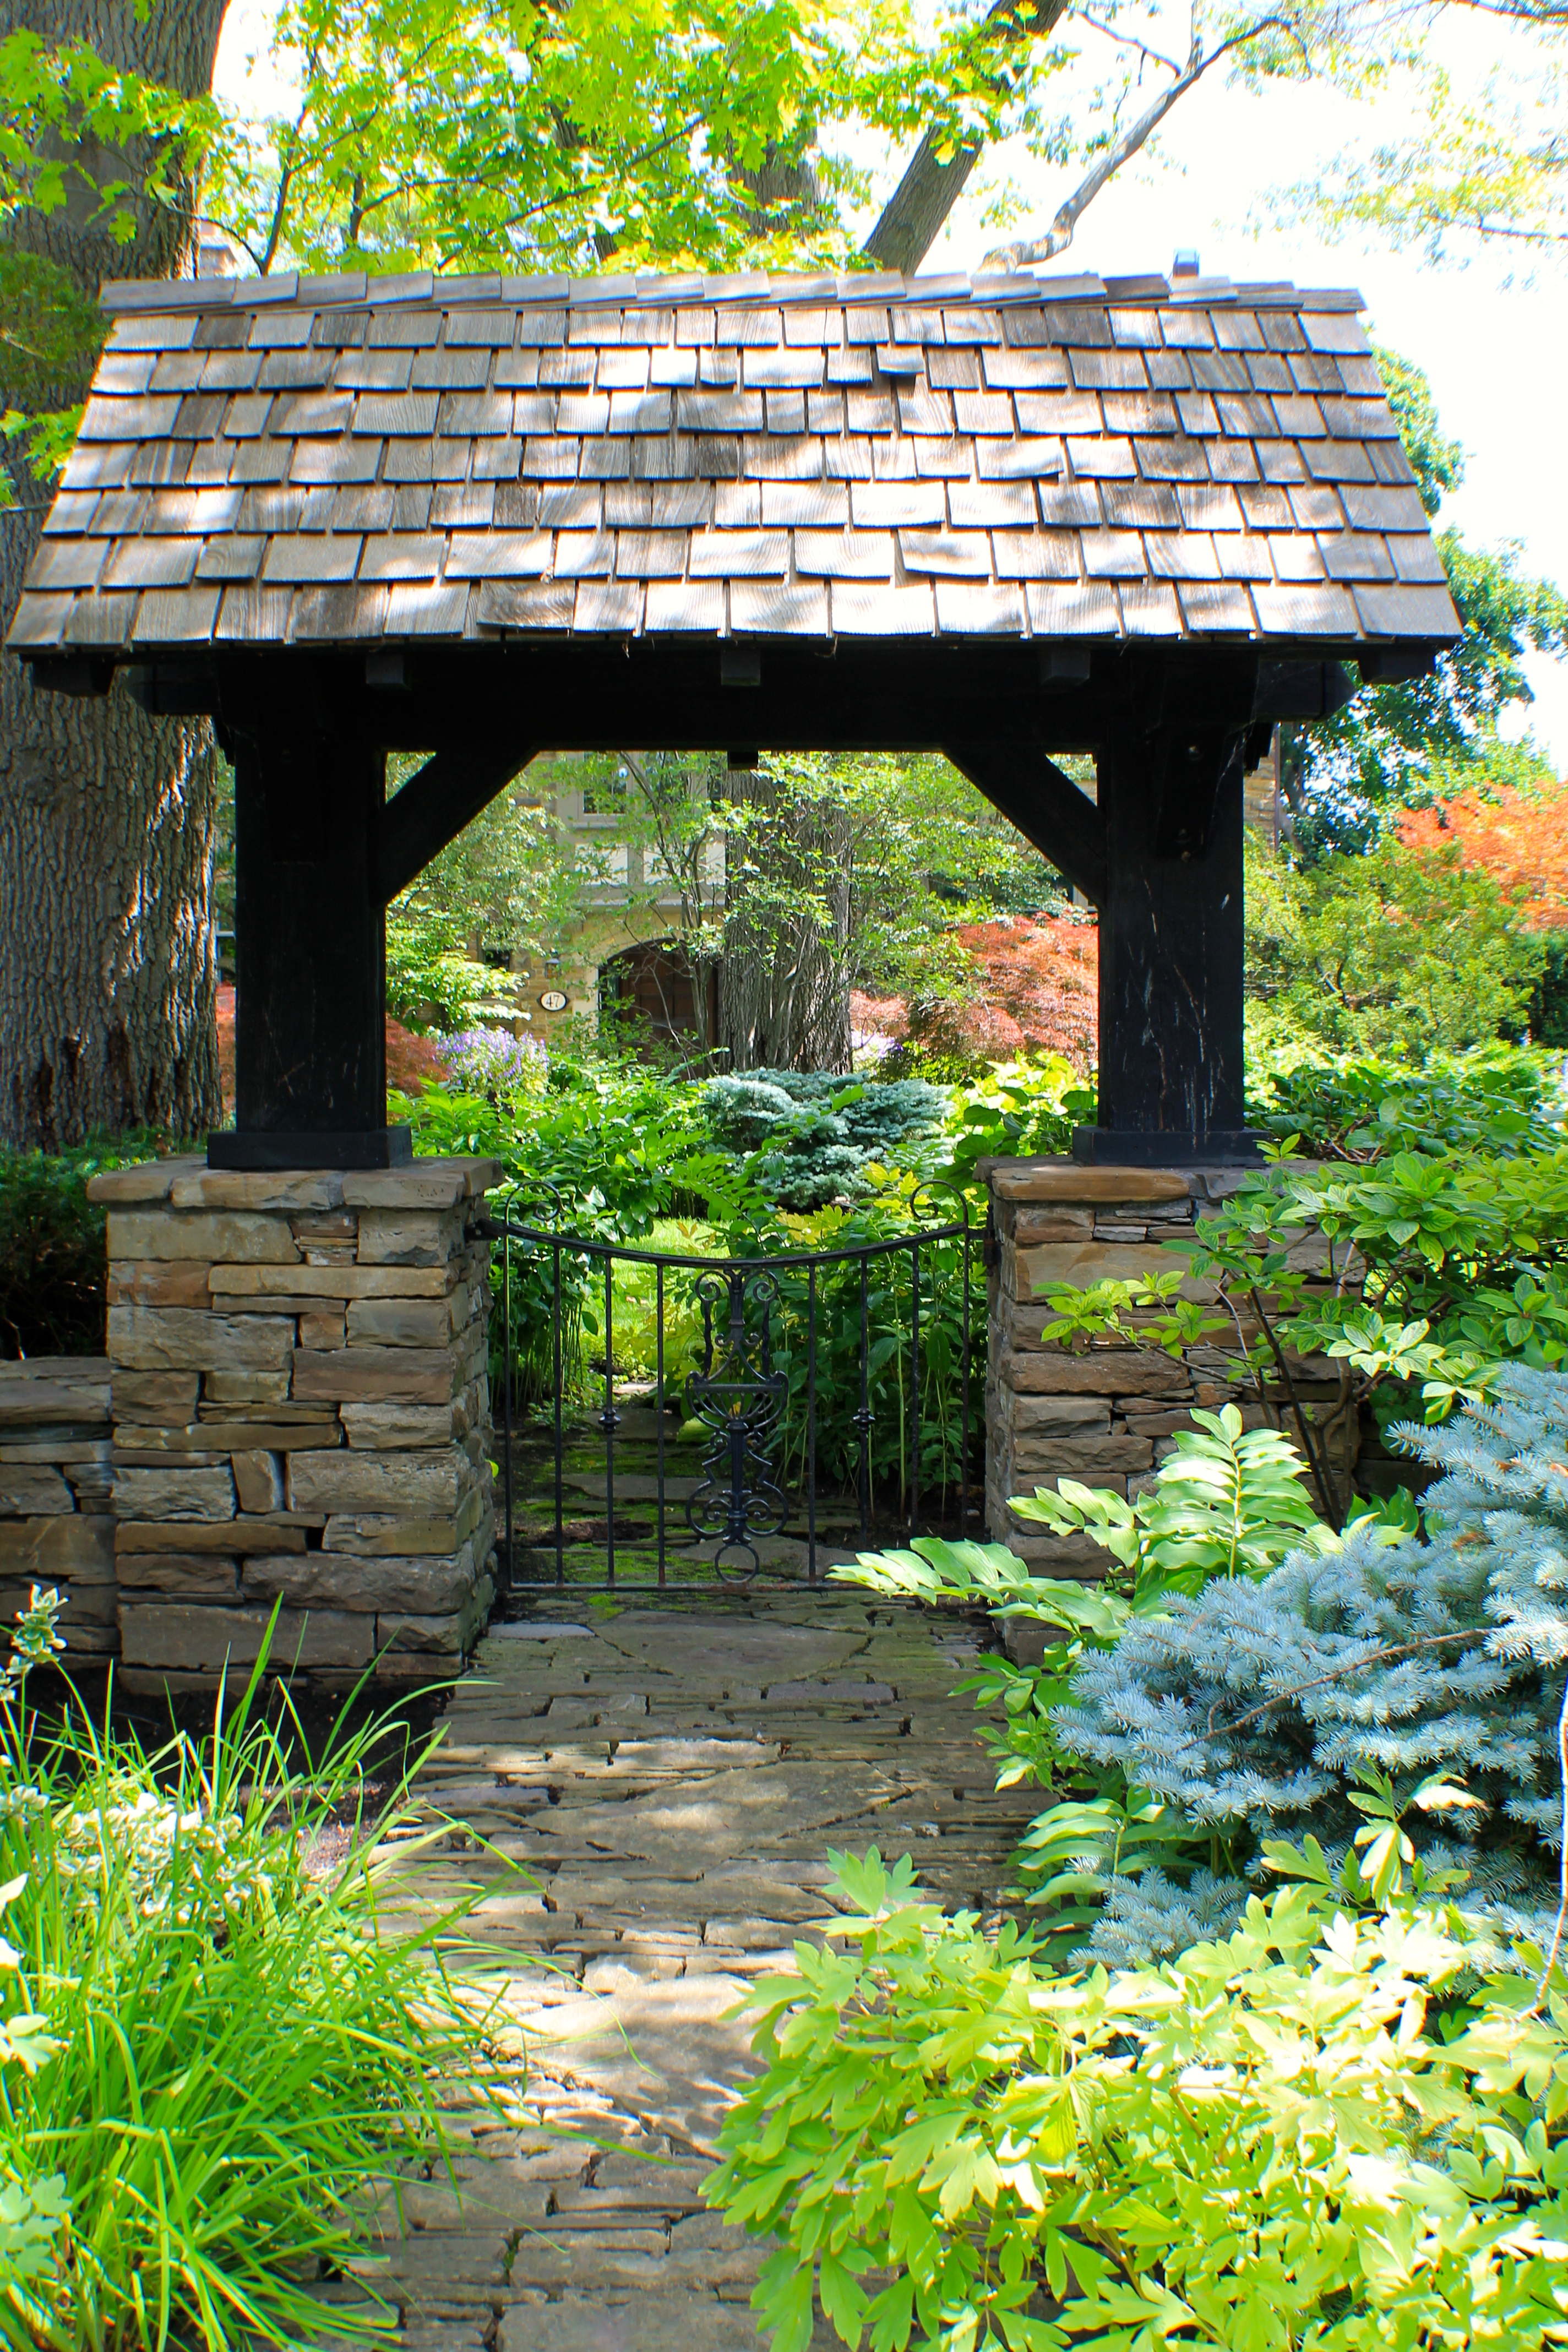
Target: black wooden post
{"type": "Point", "coordinates": [311, 946]}
{"type": "Point", "coordinates": [1171, 1077]}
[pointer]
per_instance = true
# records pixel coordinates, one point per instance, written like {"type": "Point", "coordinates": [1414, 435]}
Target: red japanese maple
{"type": "Point", "coordinates": [1038, 992]}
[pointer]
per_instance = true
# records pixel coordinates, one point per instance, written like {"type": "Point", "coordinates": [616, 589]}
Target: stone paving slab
{"type": "Point", "coordinates": [650, 1797]}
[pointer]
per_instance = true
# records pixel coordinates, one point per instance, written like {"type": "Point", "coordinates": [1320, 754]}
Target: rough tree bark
{"type": "Point", "coordinates": [107, 970]}
{"type": "Point", "coordinates": [783, 979]}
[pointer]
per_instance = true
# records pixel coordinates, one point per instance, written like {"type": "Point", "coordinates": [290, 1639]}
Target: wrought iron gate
{"type": "Point", "coordinates": [826, 1387]}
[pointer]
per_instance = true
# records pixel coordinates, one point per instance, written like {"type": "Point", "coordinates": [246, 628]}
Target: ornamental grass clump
{"type": "Point", "coordinates": [217, 2050]}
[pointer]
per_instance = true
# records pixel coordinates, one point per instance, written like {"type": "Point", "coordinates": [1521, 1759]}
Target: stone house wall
{"type": "Point", "coordinates": [300, 1417]}
{"type": "Point", "coordinates": [1106, 1416]}
{"type": "Point", "coordinates": [56, 1522]}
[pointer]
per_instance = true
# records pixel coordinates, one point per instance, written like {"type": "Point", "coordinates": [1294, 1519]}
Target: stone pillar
{"type": "Point", "coordinates": [1106, 1416]}
{"type": "Point", "coordinates": [55, 1523]}
{"type": "Point", "coordinates": [301, 1414]}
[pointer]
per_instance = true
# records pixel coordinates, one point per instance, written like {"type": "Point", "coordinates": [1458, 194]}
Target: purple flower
{"type": "Point", "coordinates": [493, 1062]}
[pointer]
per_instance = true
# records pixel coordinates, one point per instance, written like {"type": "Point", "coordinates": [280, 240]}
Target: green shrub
{"type": "Point", "coordinates": [1340, 2126]}
{"type": "Point", "coordinates": [53, 1273]}
{"type": "Point", "coordinates": [226, 2046]}
{"type": "Point", "coordinates": [1497, 1099]}
{"type": "Point", "coordinates": [811, 1137]}
{"type": "Point", "coordinates": [1016, 1111]}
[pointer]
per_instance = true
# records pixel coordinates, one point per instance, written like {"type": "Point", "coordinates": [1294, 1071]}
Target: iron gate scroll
{"type": "Point", "coordinates": [754, 1385]}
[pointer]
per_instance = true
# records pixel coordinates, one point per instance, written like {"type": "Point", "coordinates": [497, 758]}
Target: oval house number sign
{"type": "Point", "coordinates": [553, 1000]}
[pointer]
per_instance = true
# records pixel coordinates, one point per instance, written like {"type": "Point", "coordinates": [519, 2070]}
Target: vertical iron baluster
{"type": "Point", "coordinates": [963, 1406]}
{"type": "Point", "coordinates": [658, 1401]}
{"type": "Point", "coordinates": [864, 1416]}
{"type": "Point", "coordinates": [560, 1500]}
{"type": "Point", "coordinates": [915, 1391]}
{"type": "Point", "coordinates": [811, 1424]}
{"type": "Point", "coordinates": [607, 1420]}
{"type": "Point", "coordinates": [506, 1387]}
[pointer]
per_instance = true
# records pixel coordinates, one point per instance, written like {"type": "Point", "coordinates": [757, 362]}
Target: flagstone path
{"type": "Point", "coordinates": [657, 1791]}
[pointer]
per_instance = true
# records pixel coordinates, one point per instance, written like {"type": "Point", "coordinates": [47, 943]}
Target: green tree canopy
{"type": "Point", "coordinates": [1408, 742]}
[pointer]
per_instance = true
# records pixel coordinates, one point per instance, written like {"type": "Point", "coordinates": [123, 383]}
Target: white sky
{"type": "Point", "coordinates": [1497, 353]}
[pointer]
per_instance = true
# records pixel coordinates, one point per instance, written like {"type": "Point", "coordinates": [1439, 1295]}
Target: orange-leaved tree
{"type": "Point", "coordinates": [1518, 836]}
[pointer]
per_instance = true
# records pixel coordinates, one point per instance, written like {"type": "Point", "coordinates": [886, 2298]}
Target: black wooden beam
{"type": "Point", "coordinates": [447, 794]}
{"type": "Point", "coordinates": [1044, 802]}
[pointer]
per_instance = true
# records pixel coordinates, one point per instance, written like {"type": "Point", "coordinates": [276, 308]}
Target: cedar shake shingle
{"type": "Point", "coordinates": [345, 460]}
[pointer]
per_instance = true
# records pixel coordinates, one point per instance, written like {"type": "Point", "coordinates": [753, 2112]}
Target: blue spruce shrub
{"type": "Point", "coordinates": [1253, 1707]}
{"type": "Point", "coordinates": [813, 1152]}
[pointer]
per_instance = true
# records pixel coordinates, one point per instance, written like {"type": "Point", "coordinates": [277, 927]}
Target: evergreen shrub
{"type": "Point", "coordinates": [812, 1135]}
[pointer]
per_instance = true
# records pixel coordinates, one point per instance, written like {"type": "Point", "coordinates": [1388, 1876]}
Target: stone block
{"type": "Point", "coordinates": [322, 1580]}
{"type": "Point", "coordinates": [377, 1375]}
{"type": "Point", "coordinates": [326, 1228]}
{"type": "Point", "coordinates": [258, 1481]}
{"type": "Point", "coordinates": [399, 1322]}
{"type": "Point", "coordinates": [229, 1387]}
{"type": "Point", "coordinates": [159, 1282]}
{"type": "Point", "coordinates": [54, 1404]}
{"type": "Point", "coordinates": [405, 1428]}
{"type": "Point", "coordinates": [372, 1535]}
{"type": "Point", "coordinates": [1165, 1425]}
{"type": "Point", "coordinates": [1086, 1459]}
{"type": "Point", "coordinates": [1058, 1415]}
{"type": "Point", "coordinates": [177, 1633]}
{"type": "Point", "coordinates": [322, 1328]}
{"type": "Point", "coordinates": [176, 1338]}
{"type": "Point", "coordinates": [187, 1576]}
{"type": "Point", "coordinates": [75, 1545]}
{"type": "Point", "coordinates": [33, 1490]}
{"type": "Point", "coordinates": [431, 1483]}
{"type": "Point", "coordinates": [92, 1484]}
{"type": "Point", "coordinates": [1057, 1179]}
{"type": "Point", "coordinates": [230, 1235]}
{"type": "Point", "coordinates": [256, 1189]}
{"type": "Point", "coordinates": [330, 1284]}
{"type": "Point", "coordinates": [156, 1396]}
{"type": "Point", "coordinates": [1084, 1263]}
{"type": "Point", "coordinates": [160, 1458]}
{"type": "Point", "coordinates": [407, 1237]}
{"type": "Point", "coordinates": [267, 1435]}
{"type": "Point", "coordinates": [236, 1536]}
{"type": "Point", "coordinates": [450, 1635]}
{"type": "Point", "coordinates": [64, 1453]}
{"type": "Point", "coordinates": [152, 1180]}
{"type": "Point", "coordinates": [1033, 1226]}
{"type": "Point", "coordinates": [175, 1494]}
{"type": "Point", "coordinates": [1100, 1371]}
{"type": "Point", "coordinates": [428, 1184]}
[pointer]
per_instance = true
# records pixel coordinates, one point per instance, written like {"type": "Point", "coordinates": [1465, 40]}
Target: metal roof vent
{"type": "Point", "coordinates": [1186, 264]}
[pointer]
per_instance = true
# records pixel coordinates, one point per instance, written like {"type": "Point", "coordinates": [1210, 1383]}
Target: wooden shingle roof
{"type": "Point", "coordinates": [334, 462]}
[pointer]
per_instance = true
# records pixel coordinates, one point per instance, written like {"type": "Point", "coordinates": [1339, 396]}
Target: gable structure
{"type": "Point", "coordinates": [338, 462]}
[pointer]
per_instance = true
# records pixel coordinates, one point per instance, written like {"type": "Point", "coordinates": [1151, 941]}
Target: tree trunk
{"type": "Point", "coordinates": [107, 970]}
{"type": "Point", "coordinates": [784, 981]}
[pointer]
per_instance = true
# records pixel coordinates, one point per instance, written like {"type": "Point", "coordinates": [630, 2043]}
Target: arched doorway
{"type": "Point", "coordinates": [652, 986]}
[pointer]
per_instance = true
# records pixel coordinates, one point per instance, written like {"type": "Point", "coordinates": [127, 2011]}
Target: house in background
{"type": "Point", "coordinates": [626, 954]}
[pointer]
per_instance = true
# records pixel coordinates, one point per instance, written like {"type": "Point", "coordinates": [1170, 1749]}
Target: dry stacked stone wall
{"type": "Point", "coordinates": [1107, 1415]}
{"type": "Point", "coordinates": [57, 1526]}
{"type": "Point", "coordinates": [302, 1415]}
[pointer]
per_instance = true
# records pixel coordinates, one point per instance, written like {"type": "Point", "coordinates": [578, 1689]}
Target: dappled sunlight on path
{"type": "Point", "coordinates": [657, 1791]}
